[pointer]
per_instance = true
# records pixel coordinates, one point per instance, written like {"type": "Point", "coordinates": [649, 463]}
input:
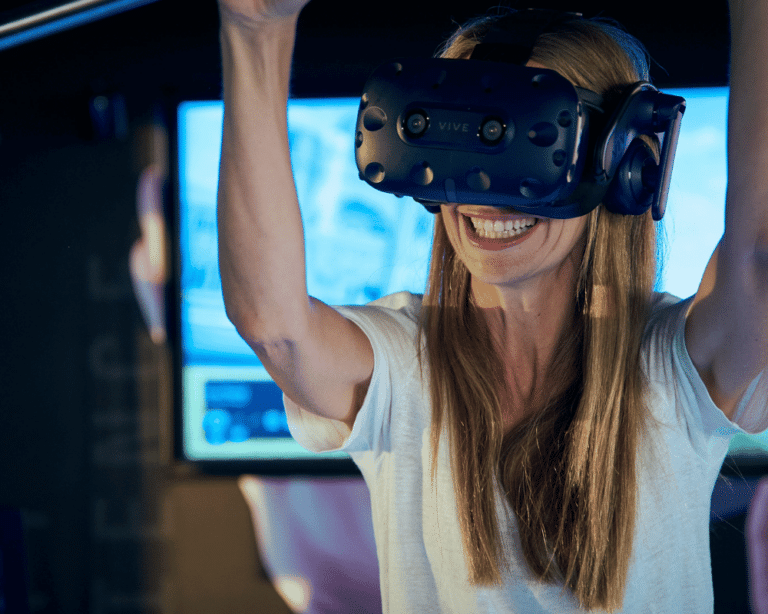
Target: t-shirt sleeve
{"type": "Point", "coordinates": [671, 363]}
{"type": "Point", "coordinates": [751, 415]}
{"type": "Point", "coordinates": [390, 325]}
{"type": "Point", "coordinates": [752, 411]}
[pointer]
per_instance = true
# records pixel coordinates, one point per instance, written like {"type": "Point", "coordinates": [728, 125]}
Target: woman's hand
{"type": "Point", "coordinates": [260, 11]}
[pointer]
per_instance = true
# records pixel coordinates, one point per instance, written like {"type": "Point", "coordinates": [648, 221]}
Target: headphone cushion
{"type": "Point", "coordinates": [634, 183]}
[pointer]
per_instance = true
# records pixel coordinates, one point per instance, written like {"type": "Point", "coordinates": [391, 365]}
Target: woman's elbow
{"type": "Point", "coordinates": [263, 326]}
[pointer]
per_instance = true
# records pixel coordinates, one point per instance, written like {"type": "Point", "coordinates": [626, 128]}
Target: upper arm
{"type": "Point", "coordinates": [321, 360]}
{"type": "Point", "coordinates": [727, 326]}
{"type": "Point", "coordinates": [324, 366]}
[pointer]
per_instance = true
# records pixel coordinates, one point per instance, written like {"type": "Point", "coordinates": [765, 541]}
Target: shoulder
{"type": "Point", "coordinates": [676, 393]}
{"type": "Point", "coordinates": [401, 308]}
{"type": "Point", "coordinates": [665, 355]}
{"type": "Point", "coordinates": [406, 302]}
{"type": "Point", "coordinates": [664, 303]}
{"type": "Point", "coordinates": [666, 319]}
{"type": "Point", "coordinates": [391, 324]}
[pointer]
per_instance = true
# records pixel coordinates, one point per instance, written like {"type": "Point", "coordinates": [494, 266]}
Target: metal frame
{"type": "Point", "coordinates": [62, 18]}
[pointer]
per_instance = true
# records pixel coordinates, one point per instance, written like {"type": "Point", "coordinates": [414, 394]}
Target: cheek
{"type": "Point", "coordinates": [571, 232]}
{"type": "Point", "coordinates": [575, 237]}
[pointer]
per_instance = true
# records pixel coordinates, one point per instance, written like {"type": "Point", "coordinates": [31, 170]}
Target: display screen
{"type": "Point", "coordinates": [360, 245]}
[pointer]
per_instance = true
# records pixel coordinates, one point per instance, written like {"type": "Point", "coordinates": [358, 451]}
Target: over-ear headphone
{"type": "Point", "coordinates": [626, 159]}
{"type": "Point", "coordinates": [492, 131]}
{"type": "Point", "coordinates": [635, 181]}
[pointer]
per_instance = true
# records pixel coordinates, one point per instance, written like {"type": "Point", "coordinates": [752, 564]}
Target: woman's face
{"type": "Point", "coordinates": [502, 247]}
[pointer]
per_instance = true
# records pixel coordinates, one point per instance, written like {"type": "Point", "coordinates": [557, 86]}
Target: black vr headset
{"type": "Point", "coordinates": [492, 131]}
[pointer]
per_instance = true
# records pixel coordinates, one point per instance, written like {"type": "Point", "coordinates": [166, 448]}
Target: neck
{"type": "Point", "coordinates": [527, 322]}
{"type": "Point", "coordinates": [529, 315]}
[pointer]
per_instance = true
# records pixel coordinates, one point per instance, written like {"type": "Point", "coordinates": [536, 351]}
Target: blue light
{"type": "Point", "coordinates": [62, 18]}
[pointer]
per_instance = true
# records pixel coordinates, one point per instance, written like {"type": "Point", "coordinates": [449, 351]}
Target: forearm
{"type": "Point", "coordinates": [747, 202]}
{"type": "Point", "coordinates": [261, 243]}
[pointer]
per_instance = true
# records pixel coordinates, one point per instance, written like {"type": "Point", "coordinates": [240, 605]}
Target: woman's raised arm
{"type": "Point", "coordinates": [321, 361]}
{"type": "Point", "coordinates": [727, 329]}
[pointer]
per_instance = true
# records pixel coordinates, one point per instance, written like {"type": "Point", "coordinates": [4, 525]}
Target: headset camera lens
{"type": "Point", "coordinates": [416, 123]}
{"type": "Point", "coordinates": [491, 131]}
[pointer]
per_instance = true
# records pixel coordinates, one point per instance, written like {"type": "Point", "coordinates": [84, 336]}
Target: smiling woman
{"type": "Point", "coordinates": [535, 299]}
{"type": "Point", "coordinates": [533, 431]}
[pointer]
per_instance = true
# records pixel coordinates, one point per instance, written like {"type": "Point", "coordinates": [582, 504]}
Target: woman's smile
{"type": "Point", "coordinates": [500, 245]}
{"type": "Point", "coordinates": [496, 231]}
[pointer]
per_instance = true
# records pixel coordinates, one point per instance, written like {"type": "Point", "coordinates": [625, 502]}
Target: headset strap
{"type": "Point", "coordinates": [512, 37]}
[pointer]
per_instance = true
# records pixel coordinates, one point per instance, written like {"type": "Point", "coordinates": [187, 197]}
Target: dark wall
{"type": "Point", "coordinates": [83, 450]}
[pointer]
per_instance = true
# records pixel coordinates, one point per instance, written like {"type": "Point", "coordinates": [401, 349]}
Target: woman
{"type": "Point", "coordinates": [540, 433]}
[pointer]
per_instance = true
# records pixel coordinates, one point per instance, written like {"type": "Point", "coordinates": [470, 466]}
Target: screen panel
{"type": "Point", "coordinates": [695, 217]}
{"type": "Point", "coordinates": [360, 245]}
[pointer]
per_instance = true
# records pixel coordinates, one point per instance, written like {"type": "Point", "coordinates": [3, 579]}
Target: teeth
{"type": "Point", "coordinates": [499, 229]}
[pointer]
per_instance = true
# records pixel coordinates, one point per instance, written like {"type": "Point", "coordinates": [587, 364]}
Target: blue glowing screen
{"type": "Point", "coordinates": [360, 245]}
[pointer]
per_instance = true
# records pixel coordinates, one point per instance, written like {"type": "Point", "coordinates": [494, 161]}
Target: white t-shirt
{"type": "Point", "coordinates": [421, 561]}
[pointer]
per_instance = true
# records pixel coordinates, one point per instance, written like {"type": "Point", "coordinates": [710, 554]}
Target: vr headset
{"type": "Point", "coordinates": [492, 131]}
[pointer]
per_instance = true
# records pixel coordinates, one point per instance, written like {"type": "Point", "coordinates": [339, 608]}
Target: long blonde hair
{"type": "Point", "coordinates": [567, 470]}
